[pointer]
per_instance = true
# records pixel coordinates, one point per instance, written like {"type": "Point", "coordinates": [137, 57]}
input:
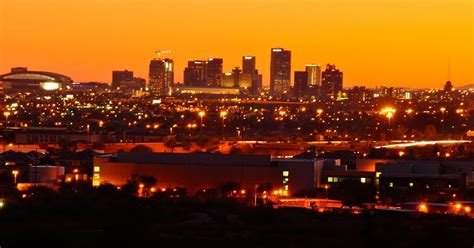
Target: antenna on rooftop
{"type": "Point", "coordinates": [449, 68]}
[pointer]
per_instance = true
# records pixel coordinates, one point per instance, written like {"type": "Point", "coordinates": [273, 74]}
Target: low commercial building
{"type": "Point", "coordinates": [428, 174]}
{"type": "Point", "coordinates": [198, 171]}
{"type": "Point", "coordinates": [51, 135]}
{"type": "Point", "coordinates": [203, 90]}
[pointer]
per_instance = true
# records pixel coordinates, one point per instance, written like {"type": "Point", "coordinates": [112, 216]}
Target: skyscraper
{"type": "Point", "coordinates": [214, 72]}
{"type": "Point", "coordinates": [314, 74]}
{"type": "Point", "coordinates": [301, 83]}
{"type": "Point", "coordinates": [228, 80]}
{"type": "Point", "coordinates": [161, 76]}
{"type": "Point", "coordinates": [121, 76]}
{"type": "Point", "coordinates": [196, 73]}
{"type": "Point", "coordinates": [280, 71]}
{"type": "Point", "coordinates": [236, 73]}
{"type": "Point", "coordinates": [248, 64]}
{"type": "Point", "coordinates": [249, 69]}
{"type": "Point", "coordinates": [331, 82]}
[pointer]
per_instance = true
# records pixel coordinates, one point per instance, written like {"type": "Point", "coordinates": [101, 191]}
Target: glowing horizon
{"type": "Point", "coordinates": [405, 43]}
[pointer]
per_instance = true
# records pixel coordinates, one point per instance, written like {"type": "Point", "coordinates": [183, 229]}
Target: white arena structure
{"type": "Point", "coordinates": [21, 80]}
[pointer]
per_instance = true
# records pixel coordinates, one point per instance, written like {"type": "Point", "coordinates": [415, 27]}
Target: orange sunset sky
{"type": "Point", "coordinates": [374, 42]}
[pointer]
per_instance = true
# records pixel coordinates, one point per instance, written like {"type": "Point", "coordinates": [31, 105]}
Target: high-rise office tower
{"type": "Point", "coordinates": [236, 79]}
{"type": "Point", "coordinates": [301, 83]}
{"type": "Point", "coordinates": [228, 80]}
{"type": "Point", "coordinates": [280, 71]}
{"type": "Point", "coordinates": [331, 81]}
{"type": "Point", "coordinates": [161, 76]}
{"type": "Point", "coordinates": [196, 73]}
{"type": "Point", "coordinates": [249, 69]}
{"type": "Point", "coordinates": [248, 64]}
{"type": "Point", "coordinates": [236, 74]}
{"type": "Point", "coordinates": [214, 72]}
{"type": "Point", "coordinates": [121, 76]}
{"type": "Point", "coordinates": [314, 74]}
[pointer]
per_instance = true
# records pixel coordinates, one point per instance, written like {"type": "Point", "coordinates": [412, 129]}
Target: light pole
{"type": "Point", "coordinates": [326, 187]}
{"type": "Point", "coordinates": [76, 177]}
{"type": "Point", "coordinates": [442, 109]}
{"type": "Point", "coordinates": [171, 129]}
{"type": "Point", "coordinates": [202, 114]}
{"type": "Point", "coordinates": [223, 116]}
{"type": "Point", "coordinates": [319, 112]}
{"type": "Point", "coordinates": [15, 175]}
{"type": "Point", "coordinates": [389, 117]}
{"type": "Point", "coordinates": [6, 114]}
{"type": "Point", "coordinates": [389, 112]}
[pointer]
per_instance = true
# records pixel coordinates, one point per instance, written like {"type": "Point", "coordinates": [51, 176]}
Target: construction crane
{"type": "Point", "coordinates": [159, 53]}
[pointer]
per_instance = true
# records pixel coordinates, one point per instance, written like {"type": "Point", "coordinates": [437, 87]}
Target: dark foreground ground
{"type": "Point", "coordinates": [122, 221]}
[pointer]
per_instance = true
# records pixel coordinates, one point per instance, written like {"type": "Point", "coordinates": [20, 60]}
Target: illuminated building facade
{"type": "Point", "coordinates": [280, 71]}
{"type": "Point", "coordinates": [161, 76]}
{"type": "Point", "coordinates": [204, 90]}
{"type": "Point", "coordinates": [21, 80]}
{"type": "Point", "coordinates": [237, 79]}
{"type": "Point", "coordinates": [314, 75]}
{"type": "Point", "coordinates": [228, 80]}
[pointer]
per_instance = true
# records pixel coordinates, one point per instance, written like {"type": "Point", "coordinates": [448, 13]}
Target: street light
{"type": "Point", "coordinates": [326, 187]}
{"type": "Point", "coordinates": [442, 109]}
{"type": "Point", "coordinates": [223, 115]}
{"type": "Point", "coordinates": [389, 113]}
{"type": "Point", "coordinates": [76, 178]}
{"type": "Point", "coordinates": [202, 114]}
{"type": "Point", "coordinates": [6, 114]}
{"type": "Point", "coordinates": [15, 175]}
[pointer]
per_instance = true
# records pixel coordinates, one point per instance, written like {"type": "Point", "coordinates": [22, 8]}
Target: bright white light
{"type": "Point", "coordinates": [424, 143]}
{"type": "Point", "coordinates": [49, 86]}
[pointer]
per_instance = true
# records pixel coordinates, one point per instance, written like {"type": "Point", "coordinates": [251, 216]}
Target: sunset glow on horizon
{"type": "Point", "coordinates": [405, 43]}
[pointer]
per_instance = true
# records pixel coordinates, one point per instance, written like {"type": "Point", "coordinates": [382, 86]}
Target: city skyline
{"type": "Point", "coordinates": [371, 45]}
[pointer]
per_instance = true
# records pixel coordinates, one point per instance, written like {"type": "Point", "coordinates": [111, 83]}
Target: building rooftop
{"type": "Point", "coordinates": [192, 159]}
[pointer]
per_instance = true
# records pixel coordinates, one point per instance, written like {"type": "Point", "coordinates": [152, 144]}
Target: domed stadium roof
{"type": "Point", "coordinates": [35, 76]}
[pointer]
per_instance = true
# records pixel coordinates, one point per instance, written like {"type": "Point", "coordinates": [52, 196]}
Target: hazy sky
{"type": "Point", "coordinates": [374, 42]}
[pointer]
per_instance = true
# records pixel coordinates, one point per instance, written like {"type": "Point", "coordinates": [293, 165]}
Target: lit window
{"type": "Point", "coordinates": [411, 184]}
{"type": "Point", "coordinates": [390, 184]}
{"type": "Point", "coordinates": [330, 180]}
{"type": "Point", "coordinates": [286, 187]}
{"type": "Point", "coordinates": [336, 179]}
{"type": "Point", "coordinates": [285, 180]}
{"type": "Point", "coordinates": [377, 174]}
{"type": "Point", "coordinates": [96, 169]}
{"type": "Point", "coordinates": [363, 180]}
{"type": "Point", "coordinates": [286, 173]}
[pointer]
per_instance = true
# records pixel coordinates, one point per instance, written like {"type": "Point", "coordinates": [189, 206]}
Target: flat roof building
{"type": "Point", "coordinates": [198, 171]}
